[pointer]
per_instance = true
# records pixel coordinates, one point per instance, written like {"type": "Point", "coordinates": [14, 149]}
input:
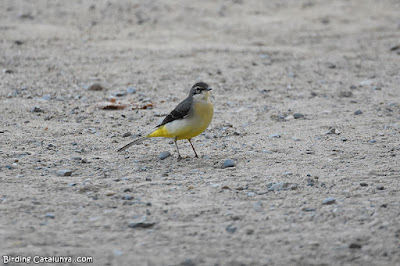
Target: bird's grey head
{"type": "Point", "coordinates": [199, 88]}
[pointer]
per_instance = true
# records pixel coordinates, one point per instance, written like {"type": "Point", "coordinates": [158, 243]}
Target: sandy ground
{"type": "Point", "coordinates": [284, 73]}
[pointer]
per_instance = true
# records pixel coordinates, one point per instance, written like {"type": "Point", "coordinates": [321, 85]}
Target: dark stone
{"type": "Point", "coordinates": [231, 229]}
{"type": "Point", "coordinates": [50, 215]}
{"type": "Point", "coordinates": [37, 109]}
{"type": "Point", "coordinates": [163, 155]}
{"type": "Point", "coordinates": [64, 172]}
{"type": "Point", "coordinates": [188, 262]}
{"type": "Point", "coordinates": [141, 224]}
{"type": "Point", "coordinates": [298, 115]}
{"type": "Point", "coordinates": [355, 246]}
{"type": "Point", "coordinates": [127, 197]}
{"type": "Point", "coordinates": [127, 134]}
{"type": "Point", "coordinates": [96, 87]}
{"type": "Point", "coordinates": [345, 94]}
{"type": "Point", "coordinates": [228, 163]}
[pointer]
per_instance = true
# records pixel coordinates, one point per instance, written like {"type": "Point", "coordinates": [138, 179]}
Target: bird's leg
{"type": "Point", "coordinates": [177, 149]}
{"type": "Point", "coordinates": [193, 148]}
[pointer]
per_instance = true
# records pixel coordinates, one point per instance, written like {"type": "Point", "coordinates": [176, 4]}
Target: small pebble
{"type": "Point", "coordinates": [141, 223]}
{"type": "Point", "coordinates": [309, 209]}
{"type": "Point", "coordinates": [372, 141]}
{"type": "Point", "coordinates": [50, 215]}
{"type": "Point", "coordinates": [127, 134]}
{"type": "Point", "coordinates": [395, 47]}
{"type": "Point", "coordinates": [228, 163]}
{"type": "Point", "coordinates": [329, 201]}
{"type": "Point", "coordinates": [119, 94]}
{"type": "Point", "coordinates": [187, 262]}
{"type": "Point", "coordinates": [358, 112]}
{"type": "Point", "coordinates": [131, 90]}
{"type": "Point", "coordinates": [275, 135]}
{"type": "Point", "coordinates": [380, 187]}
{"type": "Point", "coordinates": [231, 229]}
{"type": "Point", "coordinates": [25, 16]}
{"type": "Point", "coordinates": [46, 98]}
{"type": "Point", "coordinates": [72, 184]}
{"type": "Point", "coordinates": [14, 93]}
{"type": "Point", "coordinates": [163, 155]}
{"type": "Point", "coordinates": [333, 130]}
{"type": "Point", "coordinates": [110, 193]}
{"type": "Point", "coordinates": [355, 245]}
{"type": "Point", "coordinates": [8, 71]}
{"type": "Point", "coordinates": [36, 109]}
{"type": "Point", "coordinates": [267, 151]}
{"type": "Point", "coordinates": [258, 206]}
{"type": "Point", "coordinates": [329, 65]}
{"type": "Point", "coordinates": [117, 252]}
{"type": "Point", "coordinates": [367, 82]}
{"type": "Point", "coordinates": [127, 197]}
{"type": "Point", "coordinates": [345, 94]}
{"type": "Point", "coordinates": [310, 182]}
{"type": "Point", "coordinates": [364, 184]}
{"type": "Point", "coordinates": [64, 172]}
{"type": "Point", "coordinates": [298, 115]}
{"type": "Point", "coordinates": [96, 87]}
{"type": "Point", "coordinates": [282, 186]}
{"type": "Point", "coordinates": [249, 231]}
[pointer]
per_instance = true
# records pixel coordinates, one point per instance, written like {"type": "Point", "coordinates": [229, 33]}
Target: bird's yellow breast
{"type": "Point", "coordinates": [201, 119]}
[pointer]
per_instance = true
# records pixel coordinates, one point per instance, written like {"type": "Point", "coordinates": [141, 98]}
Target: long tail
{"type": "Point", "coordinates": [137, 141]}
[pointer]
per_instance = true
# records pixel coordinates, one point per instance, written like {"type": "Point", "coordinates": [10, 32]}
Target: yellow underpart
{"type": "Point", "coordinates": [160, 132]}
{"type": "Point", "coordinates": [191, 126]}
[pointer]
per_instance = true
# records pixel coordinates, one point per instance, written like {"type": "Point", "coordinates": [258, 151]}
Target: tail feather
{"type": "Point", "coordinates": [137, 141]}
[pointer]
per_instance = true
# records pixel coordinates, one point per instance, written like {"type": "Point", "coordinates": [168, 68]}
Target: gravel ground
{"type": "Point", "coordinates": [299, 166]}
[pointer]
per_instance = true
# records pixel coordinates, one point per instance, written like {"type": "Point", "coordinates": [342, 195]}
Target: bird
{"type": "Point", "coordinates": [189, 118]}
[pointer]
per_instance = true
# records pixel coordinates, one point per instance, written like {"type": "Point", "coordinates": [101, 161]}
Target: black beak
{"type": "Point", "coordinates": [208, 89]}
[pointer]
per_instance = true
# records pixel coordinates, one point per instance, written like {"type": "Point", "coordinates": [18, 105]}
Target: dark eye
{"type": "Point", "coordinates": [198, 91]}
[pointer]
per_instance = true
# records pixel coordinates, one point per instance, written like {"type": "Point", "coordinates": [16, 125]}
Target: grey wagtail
{"type": "Point", "coordinates": [190, 118]}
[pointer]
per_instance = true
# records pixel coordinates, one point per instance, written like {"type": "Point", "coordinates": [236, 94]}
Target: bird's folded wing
{"type": "Point", "coordinates": [179, 112]}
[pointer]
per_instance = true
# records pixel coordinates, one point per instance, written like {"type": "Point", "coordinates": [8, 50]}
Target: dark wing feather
{"type": "Point", "coordinates": [179, 112]}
